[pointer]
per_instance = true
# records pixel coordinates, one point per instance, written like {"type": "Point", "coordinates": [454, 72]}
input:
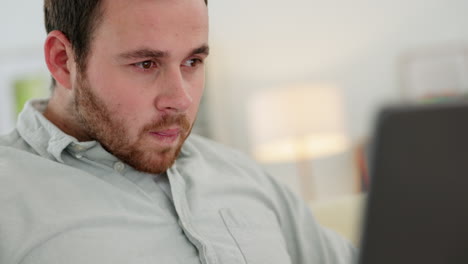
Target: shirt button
{"type": "Point", "coordinates": [119, 166]}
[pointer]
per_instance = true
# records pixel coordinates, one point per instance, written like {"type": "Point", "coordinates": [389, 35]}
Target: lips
{"type": "Point", "coordinates": [167, 136]}
{"type": "Point", "coordinates": [167, 132]}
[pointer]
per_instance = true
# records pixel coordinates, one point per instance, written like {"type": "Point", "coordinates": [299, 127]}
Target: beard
{"type": "Point", "coordinates": [109, 130]}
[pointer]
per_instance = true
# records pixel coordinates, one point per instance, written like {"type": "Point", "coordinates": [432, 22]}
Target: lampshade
{"type": "Point", "coordinates": [296, 123]}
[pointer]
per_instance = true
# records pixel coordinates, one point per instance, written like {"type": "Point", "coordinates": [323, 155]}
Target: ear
{"type": "Point", "coordinates": [59, 58]}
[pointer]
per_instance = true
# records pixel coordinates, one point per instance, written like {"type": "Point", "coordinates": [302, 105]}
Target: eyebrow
{"type": "Point", "coordinates": [156, 54]}
{"type": "Point", "coordinates": [204, 49]}
{"type": "Point", "coordinates": [143, 53]}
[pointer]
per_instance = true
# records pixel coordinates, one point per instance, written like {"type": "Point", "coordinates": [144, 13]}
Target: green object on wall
{"type": "Point", "coordinates": [29, 87]}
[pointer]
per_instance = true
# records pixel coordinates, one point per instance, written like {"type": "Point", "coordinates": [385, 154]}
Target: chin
{"type": "Point", "coordinates": [152, 161]}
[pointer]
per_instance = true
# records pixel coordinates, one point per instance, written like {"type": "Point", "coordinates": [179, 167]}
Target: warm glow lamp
{"type": "Point", "coordinates": [297, 124]}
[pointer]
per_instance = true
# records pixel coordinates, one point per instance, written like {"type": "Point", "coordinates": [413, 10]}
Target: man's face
{"type": "Point", "coordinates": [140, 91]}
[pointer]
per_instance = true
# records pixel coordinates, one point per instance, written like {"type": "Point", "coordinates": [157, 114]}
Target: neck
{"type": "Point", "coordinates": [60, 113]}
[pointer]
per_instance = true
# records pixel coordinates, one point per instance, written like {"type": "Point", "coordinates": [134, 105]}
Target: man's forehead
{"type": "Point", "coordinates": [123, 6]}
{"type": "Point", "coordinates": [156, 24]}
{"type": "Point", "coordinates": [156, 14]}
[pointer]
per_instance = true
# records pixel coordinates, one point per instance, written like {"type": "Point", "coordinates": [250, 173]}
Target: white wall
{"type": "Point", "coordinates": [22, 34]}
{"type": "Point", "coordinates": [21, 25]}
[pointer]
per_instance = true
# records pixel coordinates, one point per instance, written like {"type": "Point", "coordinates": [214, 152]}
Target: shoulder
{"type": "Point", "coordinates": [217, 155]}
{"type": "Point", "coordinates": [208, 146]}
{"type": "Point", "coordinates": [16, 157]}
{"type": "Point", "coordinates": [209, 163]}
{"type": "Point", "coordinates": [20, 170]}
{"type": "Point", "coordinates": [213, 150]}
{"type": "Point", "coordinates": [16, 163]}
{"type": "Point", "coordinates": [10, 139]}
{"type": "Point", "coordinates": [13, 140]}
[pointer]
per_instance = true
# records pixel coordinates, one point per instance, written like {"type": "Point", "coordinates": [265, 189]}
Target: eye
{"type": "Point", "coordinates": [192, 62]}
{"type": "Point", "coordinates": [145, 65]}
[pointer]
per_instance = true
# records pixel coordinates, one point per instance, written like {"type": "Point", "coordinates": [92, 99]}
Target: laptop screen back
{"type": "Point", "coordinates": [417, 210]}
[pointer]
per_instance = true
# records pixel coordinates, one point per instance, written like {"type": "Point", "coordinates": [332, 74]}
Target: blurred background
{"type": "Point", "coordinates": [294, 84]}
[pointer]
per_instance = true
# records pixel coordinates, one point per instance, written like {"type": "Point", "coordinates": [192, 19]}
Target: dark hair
{"type": "Point", "coordinates": [77, 19]}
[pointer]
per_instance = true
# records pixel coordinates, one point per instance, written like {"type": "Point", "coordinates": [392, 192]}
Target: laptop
{"type": "Point", "coordinates": [417, 210]}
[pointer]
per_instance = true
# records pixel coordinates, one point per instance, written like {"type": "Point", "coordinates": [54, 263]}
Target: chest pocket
{"type": "Point", "coordinates": [258, 236]}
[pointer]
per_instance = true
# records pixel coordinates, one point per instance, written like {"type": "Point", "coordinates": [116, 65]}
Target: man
{"type": "Point", "coordinates": [106, 172]}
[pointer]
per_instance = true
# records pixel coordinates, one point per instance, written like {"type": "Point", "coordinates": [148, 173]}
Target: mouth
{"type": "Point", "coordinates": [167, 135]}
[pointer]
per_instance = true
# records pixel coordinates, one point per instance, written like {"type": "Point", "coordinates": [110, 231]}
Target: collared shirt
{"type": "Point", "coordinates": [64, 201]}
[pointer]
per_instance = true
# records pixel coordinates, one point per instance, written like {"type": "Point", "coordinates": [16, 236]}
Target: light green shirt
{"type": "Point", "coordinates": [64, 201]}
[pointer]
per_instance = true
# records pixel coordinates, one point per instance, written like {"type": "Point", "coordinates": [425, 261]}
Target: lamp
{"type": "Point", "coordinates": [296, 124]}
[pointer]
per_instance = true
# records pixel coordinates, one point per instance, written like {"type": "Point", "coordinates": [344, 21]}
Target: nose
{"type": "Point", "coordinates": [174, 93]}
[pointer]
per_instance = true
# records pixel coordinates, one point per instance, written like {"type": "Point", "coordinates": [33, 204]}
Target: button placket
{"type": "Point", "coordinates": [207, 253]}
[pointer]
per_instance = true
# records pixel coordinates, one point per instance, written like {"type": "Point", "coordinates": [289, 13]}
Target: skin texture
{"type": "Point", "coordinates": [140, 91]}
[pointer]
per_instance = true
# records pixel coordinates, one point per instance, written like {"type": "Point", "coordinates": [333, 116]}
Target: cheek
{"type": "Point", "coordinates": [128, 115]}
{"type": "Point", "coordinates": [131, 109]}
{"type": "Point", "coordinates": [127, 108]}
{"type": "Point", "coordinates": [115, 89]}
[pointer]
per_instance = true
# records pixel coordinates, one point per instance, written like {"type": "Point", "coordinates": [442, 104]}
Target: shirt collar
{"type": "Point", "coordinates": [41, 134]}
